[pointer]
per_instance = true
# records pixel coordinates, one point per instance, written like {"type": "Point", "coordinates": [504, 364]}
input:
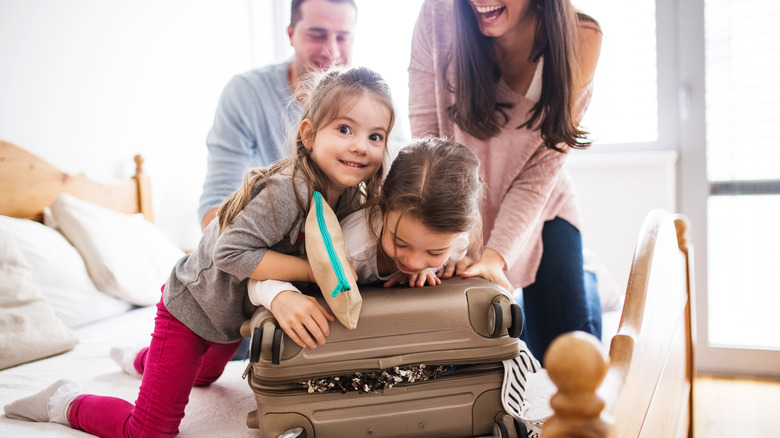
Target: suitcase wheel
{"type": "Point", "coordinates": [496, 318]}
{"type": "Point", "coordinates": [504, 316]}
{"type": "Point", "coordinates": [296, 432]}
{"type": "Point", "coordinates": [516, 328]}
{"type": "Point", "coordinates": [276, 346]}
{"type": "Point", "coordinates": [254, 346]}
{"type": "Point", "coordinates": [509, 427]}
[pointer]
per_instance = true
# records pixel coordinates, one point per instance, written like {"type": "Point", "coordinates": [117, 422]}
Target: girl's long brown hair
{"type": "Point", "coordinates": [325, 96]}
{"type": "Point", "coordinates": [436, 181]}
{"type": "Point", "coordinates": [476, 109]}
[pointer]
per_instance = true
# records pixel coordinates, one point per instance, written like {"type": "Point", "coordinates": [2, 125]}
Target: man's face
{"type": "Point", "coordinates": [323, 36]}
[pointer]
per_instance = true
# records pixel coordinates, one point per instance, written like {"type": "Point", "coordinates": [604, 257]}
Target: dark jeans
{"type": "Point", "coordinates": [243, 349]}
{"type": "Point", "coordinates": [564, 297]}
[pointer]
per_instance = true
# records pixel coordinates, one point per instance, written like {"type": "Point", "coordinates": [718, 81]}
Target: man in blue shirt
{"type": "Point", "coordinates": [257, 112]}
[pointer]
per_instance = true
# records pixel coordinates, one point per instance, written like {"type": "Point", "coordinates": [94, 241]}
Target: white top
{"type": "Point", "coordinates": [534, 91]}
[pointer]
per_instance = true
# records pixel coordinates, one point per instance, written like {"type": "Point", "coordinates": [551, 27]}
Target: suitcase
{"type": "Point", "coordinates": [470, 325]}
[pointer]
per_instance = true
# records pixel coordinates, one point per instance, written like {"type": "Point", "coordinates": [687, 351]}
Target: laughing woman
{"type": "Point", "coordinates": [511, 79]}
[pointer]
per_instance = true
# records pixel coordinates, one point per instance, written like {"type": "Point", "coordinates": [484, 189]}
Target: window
{"type": "Point", "coordinates": [624, 108]}
{"type": "Point", "coordinates": [742, 40]}
{"type": "Point", "coordinates": [383, 42]}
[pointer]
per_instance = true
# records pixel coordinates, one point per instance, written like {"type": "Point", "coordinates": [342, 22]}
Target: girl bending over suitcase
{"type": "Point", "coordinates": [423, 222]}
{"type": "Point", "coordinates": [340, 151]}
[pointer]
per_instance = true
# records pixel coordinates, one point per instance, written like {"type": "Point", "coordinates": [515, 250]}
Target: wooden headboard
{"type": "Point", "coordinates": [647, 387]}
{"type": "Point", "coordinates": [28, 184]}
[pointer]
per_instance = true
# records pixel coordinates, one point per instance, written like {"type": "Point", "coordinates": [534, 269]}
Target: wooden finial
{"type": "Point", "coordinates": [577, 366]}
{"type": "Point", "coordinates": [682, 226]}
{"type": "Point", "coordinates": [144, 189]}
{"type": "Point", "coordinates": [139, 164]}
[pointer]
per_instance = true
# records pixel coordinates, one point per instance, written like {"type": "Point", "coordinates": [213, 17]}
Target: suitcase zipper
{"type": "Point", "coordinates": [293, 387]}
{"type": "Point", "coordinates": [466, 361]}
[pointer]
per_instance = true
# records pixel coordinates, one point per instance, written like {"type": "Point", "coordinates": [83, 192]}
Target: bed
{"type": "Point", "coordinates": [642, 387]}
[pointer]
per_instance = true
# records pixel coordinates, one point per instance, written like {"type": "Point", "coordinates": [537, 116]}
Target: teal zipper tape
{"type": "Point", "coordinates": [335, 263]}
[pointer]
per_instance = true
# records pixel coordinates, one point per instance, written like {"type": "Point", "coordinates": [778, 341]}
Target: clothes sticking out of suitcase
{"type": "Point", "coordinates": [422, 362]}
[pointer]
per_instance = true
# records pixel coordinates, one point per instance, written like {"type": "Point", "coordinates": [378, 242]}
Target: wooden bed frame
{"type": "Point", "coordinates": [29, 184]}
{"type": "Point", "coordinates": [643, 389]}
{"type": "Point", "coordinates": [647, 387]}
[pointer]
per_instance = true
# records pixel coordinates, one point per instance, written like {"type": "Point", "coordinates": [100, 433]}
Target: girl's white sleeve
{"type": "Point", "coordinates": [262, 293]}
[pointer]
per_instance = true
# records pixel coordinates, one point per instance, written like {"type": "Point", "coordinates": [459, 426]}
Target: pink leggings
{"type": "Point", "coordinates": [176, 360]}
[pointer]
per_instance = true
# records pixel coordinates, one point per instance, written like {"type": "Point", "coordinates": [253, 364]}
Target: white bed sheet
{"type": "Point", "coordinates": [217, 411]}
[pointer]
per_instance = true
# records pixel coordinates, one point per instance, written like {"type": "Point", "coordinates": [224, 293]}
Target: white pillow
{"type": "Point", "coordinates": [29, 328]}
{"type": "Point", "coordinates": [60, 274]}
{"type": "Point", "coordinates": [126, 256]}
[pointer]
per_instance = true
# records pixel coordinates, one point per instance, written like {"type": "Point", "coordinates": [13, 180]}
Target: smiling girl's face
{"type": "Point", "coordinates": [412, 245]}
{"type": "Point", "coordinates": [349, 149]}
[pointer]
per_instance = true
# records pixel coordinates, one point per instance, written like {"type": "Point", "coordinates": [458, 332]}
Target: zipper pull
{"type": "Point", "coordinates": [247, 371]}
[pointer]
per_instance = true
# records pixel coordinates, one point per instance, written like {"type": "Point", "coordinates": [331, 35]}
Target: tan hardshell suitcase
{"type": "Point", "coordinates": [469, 325]}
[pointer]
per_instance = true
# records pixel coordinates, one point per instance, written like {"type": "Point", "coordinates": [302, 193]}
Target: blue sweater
{"type": "Point", "coordinates": [254, 118]}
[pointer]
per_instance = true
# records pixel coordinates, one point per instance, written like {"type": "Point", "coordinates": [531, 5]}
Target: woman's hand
{"type": "Point", "coordinates": [491, 268]}
{"type": "Point", "coordinates": [417, 280]}
{"type": "Point", "coordinates": [301, 317]}
{"type": "Point", "coordinates": [456, 268]}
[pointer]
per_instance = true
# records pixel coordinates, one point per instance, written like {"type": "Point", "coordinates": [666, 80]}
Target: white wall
{"type": "Point", "coordinates": [616, 191]}
{"type": "Point", "coordinates": [87, 84]}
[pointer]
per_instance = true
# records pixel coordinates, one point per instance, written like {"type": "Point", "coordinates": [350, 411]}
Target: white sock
{"type": "Point", "coordinates": [50, 404]}
{"type": "Point", "coordinates": [125, 358]}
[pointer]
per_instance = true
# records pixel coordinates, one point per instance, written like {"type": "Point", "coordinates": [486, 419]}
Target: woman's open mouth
{"type": "Point", "coordinates": [489, 14]}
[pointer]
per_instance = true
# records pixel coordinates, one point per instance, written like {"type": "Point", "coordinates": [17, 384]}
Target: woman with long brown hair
{"type": "Point", "coordinates": [511, 80]}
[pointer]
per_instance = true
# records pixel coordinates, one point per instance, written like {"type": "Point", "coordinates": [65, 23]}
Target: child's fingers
{"type": "Point", "coordinates": [321, 318]}
{"type": "Point", "coordinates": [396, 278]}
{"type": "Point", "coordinates": [326, 314]}
{"type": "Point", "coordinates": [305, 337]}
{"type": "Point", "coordinates": [316, 330]}
{"type": "Point", "coordinates": [317, 308]}
{"type": "Point", "coordinates": [294, 337]}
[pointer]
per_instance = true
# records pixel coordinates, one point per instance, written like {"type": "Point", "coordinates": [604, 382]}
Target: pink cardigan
{"type": "Point", "coordinates": [527, 183]}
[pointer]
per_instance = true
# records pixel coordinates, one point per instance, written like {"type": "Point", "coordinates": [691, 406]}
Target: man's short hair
{"type": "Point", "coordinates": [295, 9]}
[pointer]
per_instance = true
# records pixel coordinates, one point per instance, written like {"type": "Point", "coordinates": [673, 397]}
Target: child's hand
{"type": "Point", "coordinates": [301, 317]}
{"type": "Point", "coordinates": [416, 280]}
{"type": "Point", "coordinates": [421, 278]}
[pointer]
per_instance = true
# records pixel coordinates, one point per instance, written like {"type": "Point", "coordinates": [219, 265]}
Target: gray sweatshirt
{"type": "Point", "coordinates": [207, 290]}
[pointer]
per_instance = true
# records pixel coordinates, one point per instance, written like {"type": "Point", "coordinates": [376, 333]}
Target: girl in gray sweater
{"type": "Point", "coordinates": [340, 151]}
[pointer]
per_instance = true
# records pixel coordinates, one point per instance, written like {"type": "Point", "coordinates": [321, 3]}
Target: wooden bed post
{"type": "Point", "coordinates": [144, 189]}
{"type": "Point", "coordinates": [577, 366]}
{"type": "Point", "coordinates": [682, 226]}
